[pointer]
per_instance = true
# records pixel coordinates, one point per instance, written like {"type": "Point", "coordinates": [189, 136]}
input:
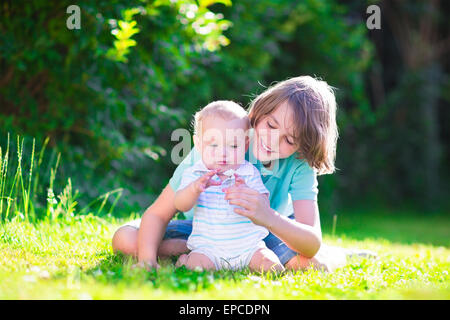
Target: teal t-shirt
{"type": "Point", "coordinates": [290, 179]}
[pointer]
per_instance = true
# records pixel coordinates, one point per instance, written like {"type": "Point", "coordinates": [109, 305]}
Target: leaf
{"type": "Point", "coordinates": [207, 3]}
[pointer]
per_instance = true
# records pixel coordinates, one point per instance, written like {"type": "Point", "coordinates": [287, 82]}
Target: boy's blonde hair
{"type": "Point", "coordinates": [314, 107]}
{"type": "Point", "coordinates": [224, 109]}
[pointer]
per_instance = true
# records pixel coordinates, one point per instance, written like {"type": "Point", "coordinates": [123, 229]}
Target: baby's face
{"type": "Point", "coordinates": [222, 143]}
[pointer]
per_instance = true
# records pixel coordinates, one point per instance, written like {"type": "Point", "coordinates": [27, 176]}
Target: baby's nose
{"type": "Point", "coordinates": [223, 153]}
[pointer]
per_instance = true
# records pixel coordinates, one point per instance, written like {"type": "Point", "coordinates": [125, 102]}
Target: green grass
{"type": "Point", "coordinates": [73, 259]}
{"type": "Point", "coordinates": [58, 251]}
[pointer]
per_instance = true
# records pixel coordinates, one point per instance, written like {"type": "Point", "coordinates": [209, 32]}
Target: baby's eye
{"type": "Point", "coordinates": [234, 146]}
{"type": "Point", "coordinates": [213, 145]}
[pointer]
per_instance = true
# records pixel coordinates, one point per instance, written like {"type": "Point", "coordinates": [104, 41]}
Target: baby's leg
{"type": "Point", "coordinates": [125, 240]}
{"type": "Point", "coordinates": [195, 260]}
{"type": "Point", "coordinates": [264, 260]}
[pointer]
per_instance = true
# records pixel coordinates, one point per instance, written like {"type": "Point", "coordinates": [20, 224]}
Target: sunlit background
{"type": "Point", "coordinates": [109, 95]}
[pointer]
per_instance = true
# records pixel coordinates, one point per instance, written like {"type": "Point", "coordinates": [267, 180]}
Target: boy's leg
{"type": "Point", "coordinates": [195, 260]}
{"type": "Point", "coordinates": [328, 259]}
{"type": "Point", "coordinates": [172, 247]}
{"type": "Point", "coordinates": [264, 260]}
{"type": "Point", "coordinates": [125, 239]}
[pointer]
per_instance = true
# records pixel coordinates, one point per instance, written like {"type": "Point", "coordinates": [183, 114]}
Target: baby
{"type": "Point", "coordinates": [221, 238]}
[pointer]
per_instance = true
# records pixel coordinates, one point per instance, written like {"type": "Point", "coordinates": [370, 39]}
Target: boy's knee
{"type": "Point", "coordinates": [125, 240]}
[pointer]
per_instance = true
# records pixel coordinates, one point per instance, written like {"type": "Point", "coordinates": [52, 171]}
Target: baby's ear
{"type": "Point", "coordinates": [247, 142]}
{"type": "Point", "coordinates": [197, 143]}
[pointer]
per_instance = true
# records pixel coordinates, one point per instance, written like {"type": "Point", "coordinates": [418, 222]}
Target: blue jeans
{"type": "Point", "coordinates": [181, 229]}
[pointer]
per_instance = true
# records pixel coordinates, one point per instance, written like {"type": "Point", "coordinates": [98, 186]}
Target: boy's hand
{"type": "Point", "coordinates": [205, 181]}
{"type": "Point", "coordinates": [254, 205]}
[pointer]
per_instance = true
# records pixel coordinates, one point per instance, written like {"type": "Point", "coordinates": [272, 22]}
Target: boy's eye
{"type": "Point", "coordinates": [289, 142]}
{"type": "Point", "coordinates": [234, 146]}
{"type": "Point", "coordinates": [270, 126]}
{"type": "Point", "coordinates": [213, 145]}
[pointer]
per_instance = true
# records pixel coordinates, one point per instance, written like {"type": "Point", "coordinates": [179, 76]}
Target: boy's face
{"type": "Point", "coordinates": [222, 143]}
{"type": "Point", "coordinates": [274, 135]}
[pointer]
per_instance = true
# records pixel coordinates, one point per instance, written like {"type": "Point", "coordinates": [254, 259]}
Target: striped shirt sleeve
{"type": "Point", "coordinates": [187, 177]}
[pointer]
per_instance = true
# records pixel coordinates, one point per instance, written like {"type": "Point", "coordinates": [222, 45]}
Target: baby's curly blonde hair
{"type": "Point", "coordinates": [225, 109]}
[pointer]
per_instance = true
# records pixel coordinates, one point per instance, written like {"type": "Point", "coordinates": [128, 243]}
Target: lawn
{"type": "Point", "coordinates": [71, 258]}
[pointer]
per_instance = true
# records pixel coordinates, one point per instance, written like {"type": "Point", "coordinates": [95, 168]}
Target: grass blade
{"type": "Point", "coordinates": [27, 200]}
{"type": "Point", "coordinates": [4, 176]}
{"type": "Point", "coordinates": [38, 167]}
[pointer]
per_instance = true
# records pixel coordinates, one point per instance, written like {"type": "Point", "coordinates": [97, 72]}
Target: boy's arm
{"type": "Point", "coordinates": [153, 225]}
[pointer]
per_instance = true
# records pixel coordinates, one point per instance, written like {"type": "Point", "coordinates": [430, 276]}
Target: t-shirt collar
{"type": "Point", "coordinates": [244, 170]}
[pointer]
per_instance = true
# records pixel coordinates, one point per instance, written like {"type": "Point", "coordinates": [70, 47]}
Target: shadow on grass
{"type": "Point", "coordinates": [399, 227]}
{"type": "Point", "coordinates": [117, 268]}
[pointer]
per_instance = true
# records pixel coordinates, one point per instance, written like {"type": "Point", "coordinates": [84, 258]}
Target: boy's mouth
{"type": "Point", "coordinates": [265, 147]}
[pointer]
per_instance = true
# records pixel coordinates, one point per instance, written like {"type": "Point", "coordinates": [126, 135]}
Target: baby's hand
{"type": "Point", "coordinates": [205, 181]}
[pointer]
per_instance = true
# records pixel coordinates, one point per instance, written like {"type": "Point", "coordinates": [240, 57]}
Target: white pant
{"type": "Point", "coordinates": [230, 263]}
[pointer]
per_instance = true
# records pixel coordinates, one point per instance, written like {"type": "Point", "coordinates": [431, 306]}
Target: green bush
{"type": "Point", "coordinates": [110, 94]}
{"type": "Point", "coordinates": [107, 109]}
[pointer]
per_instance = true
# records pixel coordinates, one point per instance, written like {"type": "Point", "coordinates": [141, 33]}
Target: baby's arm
{"type": "Point", "coordinates": [186, 198]}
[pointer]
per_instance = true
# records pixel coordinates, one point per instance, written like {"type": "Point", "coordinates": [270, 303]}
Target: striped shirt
{"type": "Point", "coordinates": [215, 225]}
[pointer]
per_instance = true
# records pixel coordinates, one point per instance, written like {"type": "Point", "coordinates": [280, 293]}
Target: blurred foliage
{"type": "Point", "coordinates": [100, 97]}
{"type": "Point", "coordinates": [110, 94]}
